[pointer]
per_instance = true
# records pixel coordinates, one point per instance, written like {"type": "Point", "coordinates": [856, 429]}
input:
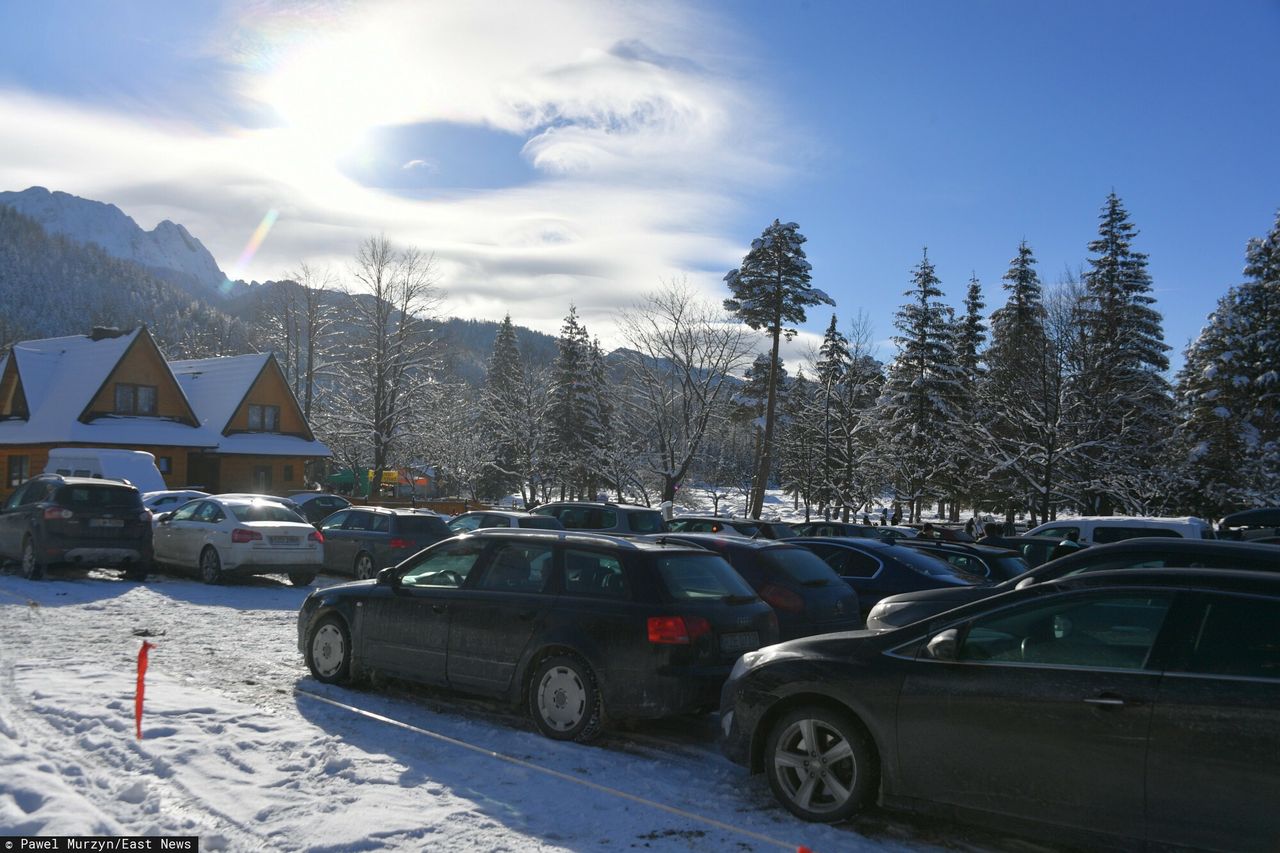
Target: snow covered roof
{"type": "Point", "coordinates": [61, 376]}
{"type": "Point", "coordinates": [217, 386]}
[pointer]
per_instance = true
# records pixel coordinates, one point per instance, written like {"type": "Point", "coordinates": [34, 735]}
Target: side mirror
{"type": "Point", "coordinates": [163, 518]}
{"type": "Point", "coordinates": [388, 577]}
{"type": "Point", "coordinates": [944, 645]}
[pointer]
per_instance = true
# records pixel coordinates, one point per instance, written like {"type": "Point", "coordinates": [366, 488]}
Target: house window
{"type": "Point", "coordinates": [165, 464]}
{"type": "Point", "coordinates": [19, 471]}
{"type": "Point", "coordinates": [262, 478]}
{"type": "Point", "coordinates": [264, 418]}
{"type": "Point", "coordinates": [135, 399]}
{"type": "Point", "coordinates": [288, 473]}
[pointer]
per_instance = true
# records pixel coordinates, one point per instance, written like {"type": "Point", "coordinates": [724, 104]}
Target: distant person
{"type": "Point", "coordinates": [897, 514]}
{"type": "Point", "coordinates": [927, 532]}
{"type": "Point", "coordinates": [969, 526]}
{"type": "Point", "coordinates": [1069, 545]}
{"type": "Point", "coordinates": [993, 534]}
{"type": "Point", "coordinates": [884, 516]}
{"type": "Point", "coordinates": [866, 519]}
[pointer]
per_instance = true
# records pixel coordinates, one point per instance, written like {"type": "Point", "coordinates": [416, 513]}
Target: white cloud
{"type": "Point", "coordinates": [629, 112]}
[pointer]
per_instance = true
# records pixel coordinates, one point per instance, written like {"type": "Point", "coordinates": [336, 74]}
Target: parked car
{"type": "Point", "coordinates": [53, 520]}
{"type": "Point", "coordinates": [362, 540]}
{"type": "Point", "coordinates": [170, 499]}
{"type": "Point", "coordinates": [288, 503]}
{"type": "Point", "coordinates": [317, 506]}
{"type": "Point", "coordinates": [605, 517]}
{"type": "Point", "coordinates": [851, 531]}
{"type": "Point", "coordinates": [576, 627]}
{"type": "Point", "coordinates": [877, 569]}
{"type": "Point", "coordinates": [1252, 525]}
{"type": "Point", "coordinates": [135, 467]}
{"type": "Point", "coordinates": [221, 537]}
{"type": "Point", "coordinates": [1037, 550]}
{"type": "Point", "coordinates": [994, 564]}
{"type": "Point", "coordinates": [479, 519]}
{"type": "Point", "coordinates": [1143, 706]}
{"type": "Point", "coordinates": [944, 532]}
{"type": "Point", "coordinates": [775, 529]}
{"type": "Point", "coordinates": [714, 524]}
{"type": "Point", "coordinates": [1099, 530]}
{"type": "Point", "coordinates": [904, 609]}
{"type": "Point", "coordinates": [807, 595]}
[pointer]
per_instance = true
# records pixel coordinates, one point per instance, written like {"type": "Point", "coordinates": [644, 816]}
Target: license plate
{"type": "Point", "coordinates": [284, 540]}
{"type": "Point", "coordinates": [739, 642]}
{"type": "Point", "coordinates": [106, 522]}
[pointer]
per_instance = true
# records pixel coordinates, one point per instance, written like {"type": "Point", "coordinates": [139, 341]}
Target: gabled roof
{"type": "Point", "coordinates": [217, 386]}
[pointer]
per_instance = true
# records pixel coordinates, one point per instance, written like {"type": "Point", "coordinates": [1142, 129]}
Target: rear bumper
{"type": "Point", "coordinates": [247, 569]}
{"type": "Point", "coordinates": [98, 555]}
{"type": "Point", "coordinates": [670, 691]}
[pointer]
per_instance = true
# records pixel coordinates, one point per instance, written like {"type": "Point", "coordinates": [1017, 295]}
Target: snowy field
{"type": "Point", "coordinates": [241, 749]}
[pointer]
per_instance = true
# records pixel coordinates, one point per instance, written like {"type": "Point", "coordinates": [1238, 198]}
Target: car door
{"type": "Point", "coordinates": [1214, 751]}
{"type": "Point", "coordinates": [13, 522]}
{"type": "Point", "coordinates": [336, 545]}
{"type": "Point", "coordinates": [405, 630]}
{"type": "Point", "coordinates": [173, 540]}
{"type": "Point", "coordinates": [493, 619]}
{"type": "Point", "coordinates": [859, 570]}
{"type": "Point", "coordinates": [1042, 714]}
{"type": "Point", "coordinates": [353, 538]}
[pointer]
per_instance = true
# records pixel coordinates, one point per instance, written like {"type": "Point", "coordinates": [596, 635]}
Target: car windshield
{"type": "Point", "coordinates": [701, 576]}
{"type": "Point", "coordinates": [799, 564]}
{"type": "Point", "coordinates": [264, 512]}
{"type": "Point", "coordinates": [98, 497]}
{"type": "Point", "coordinates": [645, 521]}
{"type": "Point", "coordinates": [415, 524]}
{"type": "Point", "coordinates": [934, 567]}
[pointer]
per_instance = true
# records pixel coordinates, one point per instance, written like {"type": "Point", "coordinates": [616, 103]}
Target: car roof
{"type": "Point", "coordinates": [609, 504]}
{"type": "Point", "coordinates": [1261, 517]}
{"type": "Point", "coordinates": [505, 513]}
{"type": "Point", "coordinates": [1227, 580]}
{"type": "Point", "coordinates": [386, 510]}
{"type": "Point", "coordinates": [848, 541]}
{"type": "Point", "coordinates": [964, 547]}
{"type": "Point", "coordinates": [1191, 547]}
{"type": "Point", "coordinates": [85, 481]}
{"type": "Point", "coordinates": [579, 537]}
{"type": "Point", "coordinates": [304, 496]}
{"type": "Point", "coordinates": [719, 539]}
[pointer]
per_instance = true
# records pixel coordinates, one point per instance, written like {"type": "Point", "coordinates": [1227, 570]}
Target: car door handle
{"type": "Point", "coordinates": [439, 608]}
{"type": "Point", "coordinates": [1106, 701]}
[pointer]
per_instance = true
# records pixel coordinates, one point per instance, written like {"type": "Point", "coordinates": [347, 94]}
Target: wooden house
{"type": "Point", "coordinates": [228, 424]}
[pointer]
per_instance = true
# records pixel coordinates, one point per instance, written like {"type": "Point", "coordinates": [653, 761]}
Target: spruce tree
{"type": "Point", "coordinates": [919, 404]}
{"type": "Point", "coordinates": [1229, 392]}
{"type": "Point", "coordinates": [832, 371]}
{"type": "Point", "coordinates": [574, 419]}
{"type": "Point", "coordinates": [1120, 402]}
{"type": "Point", "coordinates": [770, 290]}
{"type": "Point", "coordinates": [502, 394]}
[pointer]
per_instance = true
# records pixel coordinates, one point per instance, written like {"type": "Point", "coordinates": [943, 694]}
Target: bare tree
{"type": "Point", "coordinates": [681, 354]}
{"type": "Point", "coordinates": [389, 364]}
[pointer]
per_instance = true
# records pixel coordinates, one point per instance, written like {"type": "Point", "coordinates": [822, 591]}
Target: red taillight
{"type": "Point", "coordinates": [677, 630]}
{"type": "Point", "coordinates": [782, 599]}
{"type": "Point", "coordinates": [316, 536]}
{"type": "Point", "coordinates": [240, 535]}
{"type": "Point", "coordinates": [397, 542]}
{"type": "Point", "coordinates": [57, 513]}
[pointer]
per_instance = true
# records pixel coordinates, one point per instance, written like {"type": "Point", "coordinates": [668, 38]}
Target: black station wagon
{"type": "Point", "coordinates": [575, 626]}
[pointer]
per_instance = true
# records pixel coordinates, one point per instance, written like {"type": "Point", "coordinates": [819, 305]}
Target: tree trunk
{"type": "Point", "coordinates": [766, 445]}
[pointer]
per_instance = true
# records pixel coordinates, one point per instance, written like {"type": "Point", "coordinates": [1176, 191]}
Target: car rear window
{"type": "Point", "coordinates": [700, 576]}
{"type": "Point", "coordinates": [541, 523]}
{"type": "Point", "coordinates": [1102, 535]}
{"type": "Point", "coordinates": [264, 512]}
{"type": "Point", "coordinates": [420, 524]}
{"type": "Point", "coordinates": [782, 531]}
{"type": "Point", "coordinates": [799, 564]}
{"type": "Point", "coordinates": [645, 521]}
{"type": "Point", "coordinates": [934, 567]}
{"type": "Point", "coordinates": [98, 497]}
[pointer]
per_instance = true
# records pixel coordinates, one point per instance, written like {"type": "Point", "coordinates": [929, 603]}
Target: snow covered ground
{"type": "Point", "coordinates": [241, 749]}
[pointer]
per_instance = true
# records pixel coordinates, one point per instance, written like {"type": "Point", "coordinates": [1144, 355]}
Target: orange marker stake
{"type": "Point", "coordinates": [138, 694]}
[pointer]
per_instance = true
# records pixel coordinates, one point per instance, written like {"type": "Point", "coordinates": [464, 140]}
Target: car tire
{"type": "Point", "coordinates": [329, 651]}
{"type": "Point", "coordinates": [364, 568]}
{"type": "Point", "coordinates": [301, 578]}
{"type": "Point", "coordinates": [210, 565]}
{"type": "Point", "coordinates": [821, 764]}
{"type": "Point", "coordinates": [137, 572]}
{"type": "Point", "coordinates": [32, 565]}
{"type": "Point", "coordinates": [564, 699]}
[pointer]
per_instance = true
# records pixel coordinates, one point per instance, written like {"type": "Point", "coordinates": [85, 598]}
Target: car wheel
{"type": "Point", "coordinates": [329, 651]}
{"type": "Point", "coordinates": [564, 700]}
{"type": "Point", "coordinates": [137, 572]}
{"type": "Point", "coordinates": [301, 578]}
{"type": "Point", "coordinates": [365, 569]}
{"type": "Point", "coordinates": [821, 764]}
{"type": "Point", "coordinates": [32, 566]}
{"type": "Point", "coordinates": [210, 565]}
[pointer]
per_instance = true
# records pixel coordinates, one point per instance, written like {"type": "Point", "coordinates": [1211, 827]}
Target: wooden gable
{"type": "Point", "coordinates": [270, 388]}
{"type": "Point", "coordinates": [13, 399]}
{"type": "Point", "coordinates": [142, 364]}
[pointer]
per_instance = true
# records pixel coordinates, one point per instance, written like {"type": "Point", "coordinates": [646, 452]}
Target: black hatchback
{"type": "Point", "coordinates": [56, 520]}
{"type": "Point", "coordinates": [807, 595]}
{"type": "Point", "coordinates": [577, 627]}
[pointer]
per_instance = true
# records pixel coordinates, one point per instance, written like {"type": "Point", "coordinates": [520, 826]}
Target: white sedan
{"type": "Point", "coordinates": [224, 537]}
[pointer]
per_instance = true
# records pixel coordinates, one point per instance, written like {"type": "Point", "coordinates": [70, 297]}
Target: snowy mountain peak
{"type": "Point", "coordinates": [168, 250]}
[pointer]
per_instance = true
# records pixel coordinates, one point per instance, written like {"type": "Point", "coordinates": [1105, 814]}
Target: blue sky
{"type": "Point", "coordinates": [580, 151]}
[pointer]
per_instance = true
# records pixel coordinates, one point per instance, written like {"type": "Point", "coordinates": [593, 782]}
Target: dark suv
{"type": "Point", "coordinates": [605, 517]}
{"type": "Point", "coordinates": [53, 520]}
{"type": "Point", "coordinates": [362, 540]}
{"type": "Point", "coordinates": [576, 627]}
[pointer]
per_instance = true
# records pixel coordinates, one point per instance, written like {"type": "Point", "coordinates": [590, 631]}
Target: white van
{"type": "Point", "coordinates": [136, 466]}
{"type": "Point", "coordinates": [1100, 529]}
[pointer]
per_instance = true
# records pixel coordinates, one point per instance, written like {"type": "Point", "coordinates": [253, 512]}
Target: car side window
{"type": "Point", "coordinates": [209, 513]}
{"type": "Point", "coordinates": [448, 565]}
{"type": "Point", "coordinates": [18, 498]}
{"type": "Point", "coordinates": [380, 523]}
{"type": "Point", "coordinates": [517, 567]}
{"type": "Point", "coordinates": [463, 523]}
{"type": "Point", "coordinates": [494, 521]}
{"type": "Point", "coordinates": [594, 574]}
{"type": "Point", "coordinates": [186, 511]}
{"type": "Point", "coordinates": [1236, 636]}
{"type": "Point", "coordinates": [1104, 630]}
{"type": "Point", "coordinates": [358, 521]}
{"type": "Point", "coordinates": [855, 564]}
{"type": "Point", "coordinates": [334, 521]}
{"type": "Point", "coordinates": [966, 563]}
{"type": "Point", "coordinates": [1105, 534]}
{"type": "Point", "coordinates": [1061, 532]}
